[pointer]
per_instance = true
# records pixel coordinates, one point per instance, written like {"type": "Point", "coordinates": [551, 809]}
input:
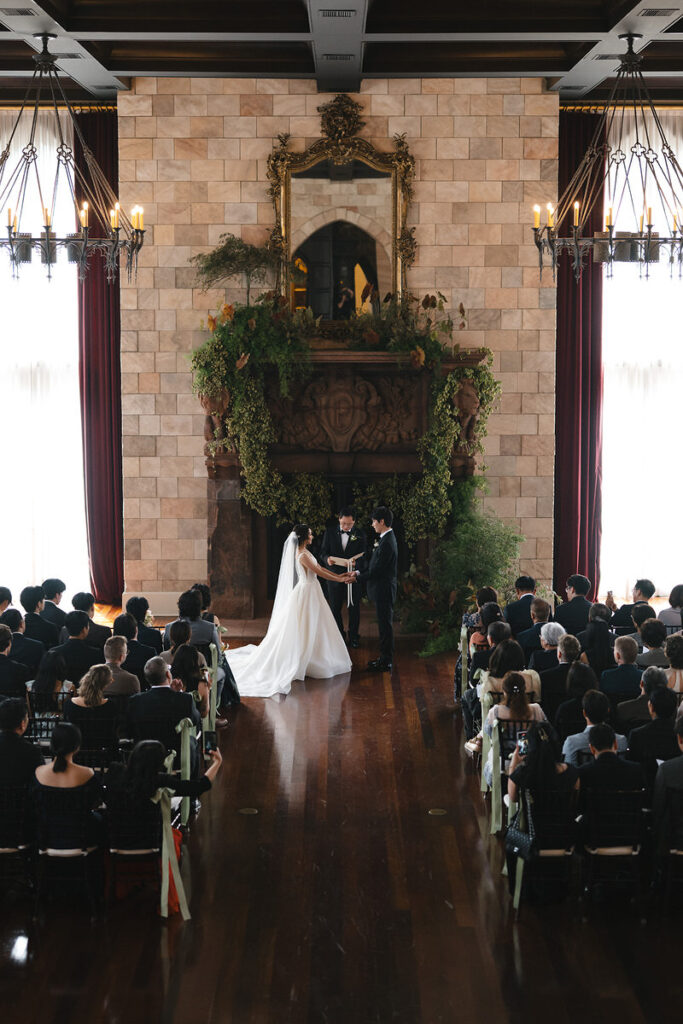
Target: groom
{"type": "Point", "coordinates": [380, 577]}
{"type": "Point", "coordinates": [344, 541]}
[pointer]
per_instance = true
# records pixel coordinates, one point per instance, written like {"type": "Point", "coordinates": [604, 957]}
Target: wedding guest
{"type": "Point", "coordinates": [507, 658]}
{"type": "Point", "coordinates": [551, 633]}
{"type": "Point", "coordinates": [54, 592]}
{"type": "Point", "coordinates": [180, 634]}
{"type": "Point", "coordinates": [542, 769]}
{"type": "Point", "coordinates": [656, 740]}
{"type": "Point", "coordinates": [554, 680]}
{"type": "Point", "coordinates": [669, 777]}
{"type": "Point", "coordinates": [138, 607]}
{"type": "Point", "coordinates": [515, 707]}
{"type": "Point", "coordinates": [13, 676]}
{"type": "Point", "coordinates": [143, 774]}
{"type": "Point", "coordinates": [518, 613]}
{"type": "Point", "coordinates": [598, 646]}
{"type": "Point", "coordinates": [632, 713]}
{"type": "Point", "coordinates": [673, 648]}
{"type": "Point", "coordinates": [201, 631]}
{"type": "Point", "coordinates": [472, 621]}
{"type": "Point", "coordinates": [77, 653]}
{"type": "Point", "coordinates": [64, 774]}
{"type": "Point", "coordinates": [641, 613]}
{"type": "Point", "coordinates": [479, 663]}
{"type": "Point", "coordinates": [18, 758]}
{"type": "Point", "coordinates": [123, 684]}
{"type": "Point", "coordinates": [530, 639]}
{"type": "Point", "coordinates": [5, 599]}
{"type": "Point", "coordinates": [36, 627]}
{"type": "Point", "coordinates": [97, 635]}
{"type": "Point", "coordinates": [155, 713]}
{"type": "Point", "coordinates": [573, 614]}
{"type": "Point", "coordinates": [622, 682]}
{"type": "Point", "coordinates": [569, 717]}
{"type": "Point", "coordinates": [26, 652]}
{"type": "Point", "coordinates": [139, 654]}
{"type": "Point", "coordinates": [596, 710]}
{"type": "Point", "coordinates": [642, 591]}
{"type": "Point", "coordinates": [607, 771]}
{"type": "Point", "coordinates": [598, 612]}
{"type": "Point", "coordinates": [188, 670]}
{"type": "Point", "coordinates": [671, 616]}
{"type": "Point", "coordinates": [653, 635]}
{"type": "Point", "coordinates": [50, 681]}
{"type": "Point", "coordinates": [95, 714]}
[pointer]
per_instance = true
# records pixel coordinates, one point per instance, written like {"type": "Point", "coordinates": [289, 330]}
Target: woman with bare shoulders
{"type": "Point", "coordinates": [302, 639]}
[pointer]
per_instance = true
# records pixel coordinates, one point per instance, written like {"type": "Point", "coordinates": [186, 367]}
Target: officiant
{"type": "Point", "coordinates": [344, 542]}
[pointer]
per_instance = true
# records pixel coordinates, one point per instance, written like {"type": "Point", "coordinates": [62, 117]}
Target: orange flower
{"type": "Point", "coordinates": [227, 312]}
{"type": "Point", "coordinates": [251, 324]}
{"type": "Point", "coordinates": [212, 323]}
{"type": "Point", "coordinates": [417, 358]}
{"type": "Point", "coordinates": [242, 361]}
{"type": "Point", "coordinates": [372, 337]}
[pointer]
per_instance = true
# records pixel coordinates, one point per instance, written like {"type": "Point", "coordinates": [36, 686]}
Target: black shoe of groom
{"type": "Point", "coordinates": [378, 665]}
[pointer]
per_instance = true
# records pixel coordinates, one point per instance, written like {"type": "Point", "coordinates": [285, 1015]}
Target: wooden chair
{"type": "Point", "coordinates": [15, 849]}
{"type": "Point", "coordinates": [553, 813]}
{"type": "Point", "coordinates": [612, 826]}
{"type": "Point", "coordinates": [134, 829]}
{"type": "Point", "coordinates": [503, 740]}
{"type": "Point", "coordinates": [64, 848]}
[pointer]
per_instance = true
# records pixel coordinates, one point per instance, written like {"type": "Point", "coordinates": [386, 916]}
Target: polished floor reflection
{"type": "Point", "coordinates": [342, 899]}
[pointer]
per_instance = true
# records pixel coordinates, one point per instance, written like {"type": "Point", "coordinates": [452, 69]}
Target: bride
{"type": "Point", "coordinates": [302, 639]}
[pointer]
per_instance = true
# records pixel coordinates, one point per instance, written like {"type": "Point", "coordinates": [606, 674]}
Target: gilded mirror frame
{"type": "Point", "coordinates": [340, 122]}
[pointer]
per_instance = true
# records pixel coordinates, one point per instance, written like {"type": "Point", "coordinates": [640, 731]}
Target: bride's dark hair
{"type": "Point", "coordinates": [301, 531]}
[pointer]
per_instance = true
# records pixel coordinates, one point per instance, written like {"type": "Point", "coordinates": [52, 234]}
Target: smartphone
{"type": "Point", "coordinates": [522, 744]}
{"type": "Point", "coordinates": [210, 742]}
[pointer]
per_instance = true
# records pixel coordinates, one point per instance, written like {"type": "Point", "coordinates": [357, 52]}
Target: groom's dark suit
{"type": "Point", "coordinates": [380, 577]}
{"type": "Point", "coordinates": [336, 592]}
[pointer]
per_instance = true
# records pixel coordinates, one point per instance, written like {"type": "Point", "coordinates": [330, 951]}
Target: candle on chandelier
{"type": "Point", "coordinates": [134, 218]}
{"type": "Point", "coordinates": [675, 223]}
{"type": "Point", "coordinates": [9, 216]}
{"type": "Point", "coordinates": [116, 215]}
{"type": "Point", "coordinates": [609, 217]}
{"type": "Point", "coordinates": [649, 216]}
{"type": "Point", "coordinates": [641, 224]}
{"type": "Point", "coordinates": [576, 215]}
{"type": "Point", "coordinates": [14, 224]}
{"type": "Point", "coordinates": [47, 217]}
{"type": "Point", "coordinates": [111, 219]}
{"type": "Point", "coordinates": [537, 216]}
{"type": "Point", "coordinates": [140, 218]}
{"type": "Point", "coordinates": [84, 215]}
{"type": "Point", "coordinates": [550, 215]}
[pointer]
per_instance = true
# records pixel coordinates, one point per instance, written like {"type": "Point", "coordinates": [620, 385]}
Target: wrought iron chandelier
{"type": "Point", "coordinates": [114, 237]}
{"type": "Point", "coordinates": [636, 179]}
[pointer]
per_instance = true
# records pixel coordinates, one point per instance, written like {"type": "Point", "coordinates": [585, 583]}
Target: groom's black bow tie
{"type": "Point", "coordinates": [345, 532]}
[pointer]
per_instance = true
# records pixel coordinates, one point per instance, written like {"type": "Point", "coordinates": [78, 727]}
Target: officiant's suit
{"type": "Point", "coordinates": [333, 544]}
{"type": "Point", "coordinates": [381, 579]}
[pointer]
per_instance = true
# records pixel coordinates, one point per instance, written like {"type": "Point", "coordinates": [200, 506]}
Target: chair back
{"type": "Point", "coordinates": [98, 758]}
{"type": "Point", "coordinates": [13, 806]}
{"type": "Point", "coordinates": [134, 825]}
{"type": "Point", "coordinates": [674, 819]}
{"type": "Point", "coordinates": [39, 729]}
{"type": "Point", "coordinates": [553, 812]}
{"type": "Point", "coordinates": [162, 729]}
{"type": "Point", "coordinates": [613, 818]}
{"type": "Point", "coordinates": [508, 730]}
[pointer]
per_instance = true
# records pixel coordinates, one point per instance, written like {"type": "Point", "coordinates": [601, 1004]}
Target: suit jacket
{"type": "Point", "coordinates": [553, 689]}
{"type": "Point", "coordinates": [632, 713]}
{"type": "Point", "coordinates": [622, 620]}
{"type": "Point", "coordinates": [518, 614]}
{"type": "Point", "coordinates": [53, 613]}
{"type": "Point", "coordinates": [542, 660]}
{"type": "Point", "coordinates": [573, 615]}
{"type": "Point", "coordinates": [155, 714]}
{"type": "Point", "coordinates": [38, 628]}
{"type": "Point", "coordinates": [332, 545]}
{"type": "Point", "coordinates": [622, 681]}
{"type": "Point", "coordinates": [653, 742]}
{"type": "Point", "coordinates": [79, 657]}
{"type": "Point", "coordinates": [654, 656]}
{"type": "Point", "coordinates": [97, 636]}
{"type": "Point", "coordinates": [13, 677]}
{"type": "Point", "coordinates": [669, 776]}
{"type": "Point", "coordinates": [381, 574]}
{"type": "Point", "coordinates": [610, 772]}
{"type": "Point", "coordinates": [27, 652]}
{"type": "Point", "coordinates": [18, 760]}
{"type": "Point", "coordinates": [530, 640]}
{"type": "Point", "coordinates": [125, 684]}
{"type": "Point", "coordinates": [150, 637]}
{"type": "Point", "coordinates": [138, 656]}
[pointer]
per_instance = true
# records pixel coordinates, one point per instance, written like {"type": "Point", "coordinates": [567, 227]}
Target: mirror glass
{"type": "Point", "coordinates": [341, 223]}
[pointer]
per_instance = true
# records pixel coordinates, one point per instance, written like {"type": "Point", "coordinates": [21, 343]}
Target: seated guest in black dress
{"type": "Point", "coordinates": [554, 680]}
{"type": "Point", "coordinates": [622, 682]}
{"type": "Point", "coordinates": [632, 713]}
{"type": "Point", "coordinates": [147, 635]}
{"type": "Point", "coordinates": [36, 627]}
{"type": "Point", "coordinates": [188, 669]}
{"type": "Point", "coordinates": [598, 647]}
{"type": "Point", "coordinates": [77, 653]}
{"type": "Point", "coordinates": [97, 635]}
{"type": "Point", "coordinates": [518, 613]}
{"type": "Point", "coordinates": [138, 653]}
{"type": "Point", "coordinates": [143, 774]}
{"type": "Point", "coordinates": [551, 632]}
{"type": "Point", "coordinates": [26, 652]}
{"type": "Point", "coordinates": [54, 592]}
{"type": "Point", "coordinates": [5, 599]}
{"type": "Point", "coordinates": [50, 681]}
{"type": "Point", "coordinates": [541, 771]}
{"type": "Point", "coordinates": [573, 614]}
{"type": "Point", "coordinates": [66, 823]}
{"type": "Point", "coordinates": [18, 758]}
{"type": "Point", "coordinates": [569, 717]}
{"type": "Point", "coordinates": [13, 676]}
{"type": "Point", "coordinates": [530, 639]}
{"type": "Point", "coordinates": [496, 633]}
{"type": "Point", "coordinates": [655, 741]}
{"type": "Point", "coordinates": [607, 771]}
{"type": "Point", "coordinates": [597, 612]}
{"type": "Point", "coordinates": [95, 715]}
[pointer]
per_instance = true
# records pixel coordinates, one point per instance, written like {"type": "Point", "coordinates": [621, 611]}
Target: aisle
{"type": "Point", "coordinates": [342, 899]}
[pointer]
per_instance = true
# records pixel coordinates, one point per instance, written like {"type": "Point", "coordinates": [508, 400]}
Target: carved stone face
{"type": "Point", "coordinates": [467, 399]}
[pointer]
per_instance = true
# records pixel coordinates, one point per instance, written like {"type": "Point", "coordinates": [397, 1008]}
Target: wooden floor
{"type": "Point", "coordinates": [343, 899]}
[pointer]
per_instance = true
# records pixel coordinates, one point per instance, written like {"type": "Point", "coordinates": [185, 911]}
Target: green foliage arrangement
{"type": "Point", "coordinates": [233, 257]}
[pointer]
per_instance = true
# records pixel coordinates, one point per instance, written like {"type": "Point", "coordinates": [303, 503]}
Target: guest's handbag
{"type": "Point", "coordinates": [520, 838]}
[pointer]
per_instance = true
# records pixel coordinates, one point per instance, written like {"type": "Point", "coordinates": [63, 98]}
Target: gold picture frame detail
{"type": "Point", "coordinates": [340, 120]}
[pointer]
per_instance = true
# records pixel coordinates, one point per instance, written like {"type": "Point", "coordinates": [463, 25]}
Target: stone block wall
{"type": "Point", "coordinates": [193, 152]}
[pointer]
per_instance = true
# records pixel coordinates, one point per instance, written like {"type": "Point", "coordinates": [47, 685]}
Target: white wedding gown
{"type": "Point", "coordinates": [302, 640]}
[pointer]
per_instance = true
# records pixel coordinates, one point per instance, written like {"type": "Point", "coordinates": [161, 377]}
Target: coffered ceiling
{"type": "Point", "coordinates": [574, 44]}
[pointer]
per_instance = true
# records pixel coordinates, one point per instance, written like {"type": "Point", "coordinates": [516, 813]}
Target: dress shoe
{"type": "Point", "coordinates": [355, 643]}
{"type": "Point", "coordinates": [379, 666]}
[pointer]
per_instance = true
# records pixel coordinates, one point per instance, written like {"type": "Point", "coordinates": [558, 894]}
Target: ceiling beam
{"type": "Point", "coordinates": [338, 43]}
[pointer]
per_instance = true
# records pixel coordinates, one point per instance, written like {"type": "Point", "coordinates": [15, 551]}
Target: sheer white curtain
{"type": "Point", "coordinates": [42, 513]}
{"type": "Point", "coordinates": [643, 395]}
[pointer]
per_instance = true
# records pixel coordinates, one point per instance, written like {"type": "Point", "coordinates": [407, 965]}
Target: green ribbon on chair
{"type": "Point", "coordinates": [169, 860]}
{"type": "Point", "coordinates": [184, 727]}
{"type": "Point", "coordinates": [486, 705]}
{"type": "Point", "coordinates": [463, 661]}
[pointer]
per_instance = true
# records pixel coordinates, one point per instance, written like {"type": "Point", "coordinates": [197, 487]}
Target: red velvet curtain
{"type": "Point", "coordinates": [578, 424]}
{"type": "Point", "coordinates": [100, 384]}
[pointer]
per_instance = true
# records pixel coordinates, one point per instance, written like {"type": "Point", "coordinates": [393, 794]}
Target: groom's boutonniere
{"type": "Point", "coordinates": [376, 544]}
{"type": "Point", "coordinates": [353, 537]}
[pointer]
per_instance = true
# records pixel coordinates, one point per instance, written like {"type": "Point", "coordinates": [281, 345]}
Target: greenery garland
{"type": "Point", "coordinates": [246, 341]}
